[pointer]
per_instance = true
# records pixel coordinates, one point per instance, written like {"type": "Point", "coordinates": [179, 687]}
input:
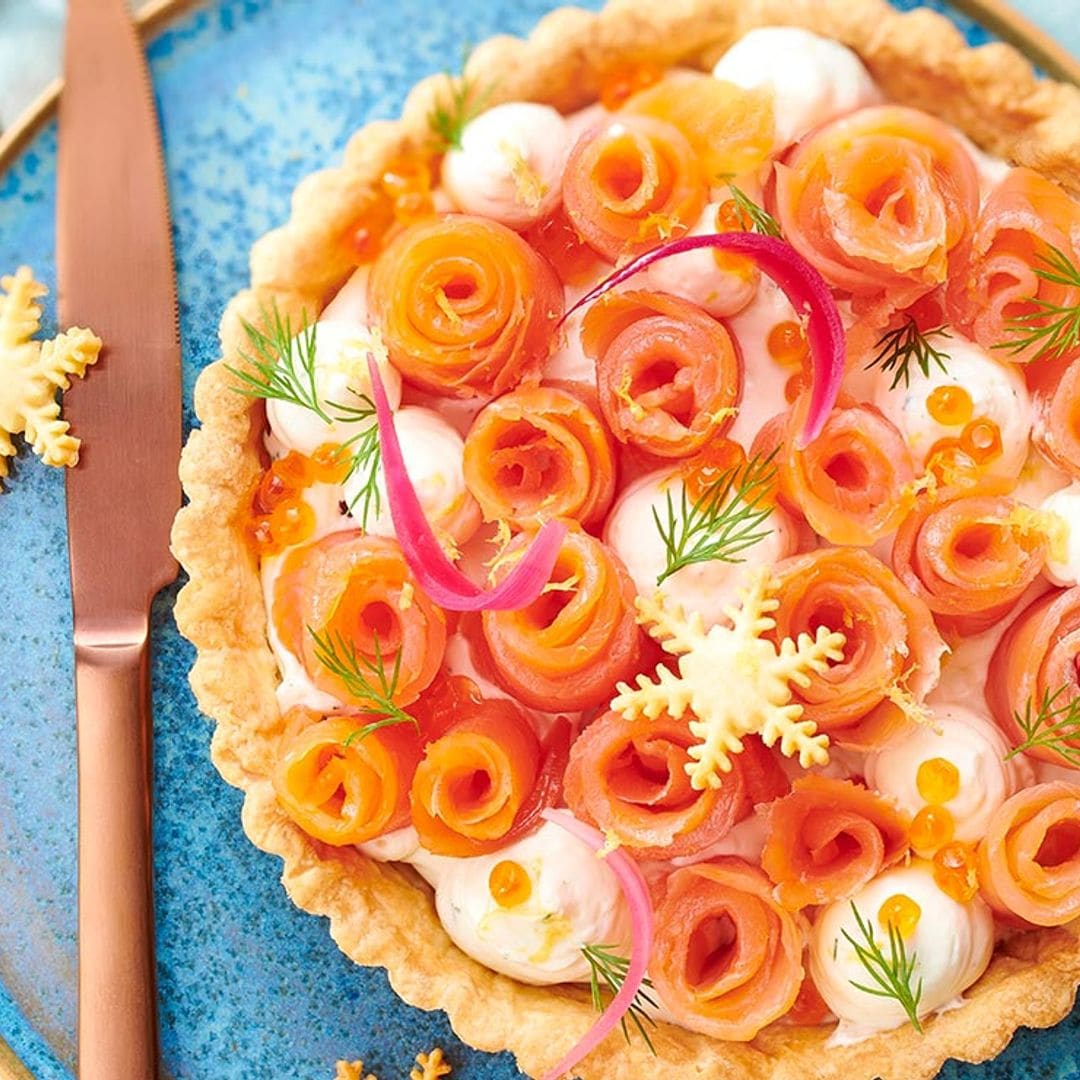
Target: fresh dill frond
{"type": "Point", "coordinates": [725, 520]}
{"type": "Point", "coordinates": [447, 120]}
{"type": "Point", "coordinates": [365, 458]}
{"type": "Point", "coordinates": [1055, 725]}
{"type": "Point", "coordinates": [898, 348]}
{"type": "Point", "coordinates": [607, 973]}
{"type": "Point", "coordinates": [1055, 328]}
{"type": "Point", "coordinates": [366, 680]}
{"type": "Point", "coordinates": [753, 216]}
{"type": "Point", "coordinates": [283, 363]}
{"type": "Point", "coordinates": [892, 975]}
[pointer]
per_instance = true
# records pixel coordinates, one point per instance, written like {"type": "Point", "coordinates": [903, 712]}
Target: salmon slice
{"type": "Point", "coordinates": [852, 482]}
{"type": "Point", "coordinates": [576, 640]}
{"type": "Point", "coordinates": [727, 958]}
{"type": "Point", "coordinates": [1056, 426]}
{"type": "Point", "coordinates": [730, 128]}
{"type": "Point", "coordinates": [465, 306]}
{"type": "Point", "coordinates": [342, 789]}
{"type": "Point", "coordinates": [475, 777]}
{"type": "Point", "coordinates": [631, 182]}
{"type": "Point", "coordinates": [668, 374]}
{"type": "Point", "coordinates": [892, 646]}
{"type": "Point", "coordinates": [357, 593]}
{"type": "Point", "coordinates": [969, 559]}
{"type": "Point", "coordinates": [628, 777]}
{"type": "Point", "coordinates": [1029, 862]}
{"type": "Point", "coordinates": [1037, 660]}
{"type": "Point", "coordinates": [540, 452]}
{"type": "Point", "coordinates": [828, 838]}
{"type": "Point", "coordinates": [881, 201]}
{"type": "Point", "coordinates": [1024, 216]}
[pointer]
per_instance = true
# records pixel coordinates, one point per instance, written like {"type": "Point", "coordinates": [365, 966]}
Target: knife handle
{"type": "Point", "coordinates": [117, 999]}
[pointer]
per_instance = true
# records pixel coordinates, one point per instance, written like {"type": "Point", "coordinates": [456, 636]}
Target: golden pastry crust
{"type": "Point", "coordinates": [382, 914]}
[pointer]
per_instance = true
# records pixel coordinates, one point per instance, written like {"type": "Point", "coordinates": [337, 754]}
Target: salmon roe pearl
{"type": "Point", "coordinates": [950, 405]}
{"type": "Point", "coordinates": [954, 872]}
{"type": "Point", "coordinates": [937, 780]}
{"type": "Point", "coordinates": [294, 468]}
{"type": "Point", "coordinates": [292, 522]}
{"type": "Point", "coordinates": [704, 470]}
{"type": "Point", "coordinates": [901, 912]}
{"type": "Point", "coordinates": [262, 536]}
{"type": "Point", "coordinates": [932, 827]}
{"type": "Point", "coordinates": [330, 463]}
{"type": "Point", "coordinates": [950, 461]}
{"type": "Point", "coordinates": [795, 385]}
{"type": "Point", "coordinates": [509, 884]}
{"type": "Point", "coordinates": [729, 218]}
{"type": "Point", "coordinates": [982, 440]}
{"type": "Point", "coordinates": [787, 343]}
{"type": "Point", "coordinates": [623, 82]}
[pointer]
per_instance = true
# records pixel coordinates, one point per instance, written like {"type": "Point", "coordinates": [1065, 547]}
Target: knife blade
{"type": "Point", "coordinates": [115, 274]}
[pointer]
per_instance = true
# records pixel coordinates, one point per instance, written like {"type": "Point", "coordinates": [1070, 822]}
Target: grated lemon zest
{"type": "Point", "coordinates": [622, 392]}
{"type": "Point", "coordinates": [732, 680]}
{"type": "Point", "coordinates": [529, 188]}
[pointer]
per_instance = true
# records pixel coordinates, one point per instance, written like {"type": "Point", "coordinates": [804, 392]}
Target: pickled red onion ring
{"type": "Point", "coordinates": [641, 919]}
{"type": "Point", "coordinates": [800, 282]}
{"type": "Point", "coordinates": [443, 582]}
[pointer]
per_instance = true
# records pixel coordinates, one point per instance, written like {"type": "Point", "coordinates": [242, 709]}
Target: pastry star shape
{"type": "Point", "coordinates": [31, 372]}
{"type": "Point", "coordinates": [734, 681]}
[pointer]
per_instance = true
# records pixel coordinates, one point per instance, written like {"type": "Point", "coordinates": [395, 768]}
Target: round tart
{"type": "Point", "coordinates": [901, 535]}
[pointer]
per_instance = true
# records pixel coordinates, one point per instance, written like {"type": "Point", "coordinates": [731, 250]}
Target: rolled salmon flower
{"type": "Point", "coordinates": [1029, 862]}
{"type": "Point", "coordinates": [727, 958]}
{"type": "Point", "coordinates": [668, 374]}
{"type": "Point", "coordinates": [540, 451]}
{"type": "Point", "coordinates": [1056, 428]}
{"type": "Point", "coordinates": [880, 201]}
{"type": "Point", "coordinates": [343, 786]}
{"type": "Point", "coordinates": [852, 482]}
{"type": "Point", "coordinates": [1034, 671]}
{"type": "Point", "coordinates": [629, 778]}
{"type": "Point", "coordinates": [475, 777]}
{"type": "Point", "coordinates": [969, 559]}
{"type": "Point", "coordinates": [347, 606]}
{"type": "Point", "coordinates": [465, 306]}
{"type": "Point", "coordinates": [632, 182]}
{"type": "Point", "coordinates": [577, 639]}
{"type": "Point", "coordinates": [998, 294]}
{"type": "Point", "coordinates": [828, 838]}
{"type": "Point", "coordinates": [892, 650]}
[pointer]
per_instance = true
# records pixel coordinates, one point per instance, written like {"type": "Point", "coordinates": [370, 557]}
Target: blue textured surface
{"type": "Point", "coordinates": [253, 96]}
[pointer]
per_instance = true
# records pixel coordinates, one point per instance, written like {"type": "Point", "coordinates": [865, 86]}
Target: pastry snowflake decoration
{"type": "Point", "coordinates": [733, 680]}
{"type": "Point", "coordinates": [32, 371]}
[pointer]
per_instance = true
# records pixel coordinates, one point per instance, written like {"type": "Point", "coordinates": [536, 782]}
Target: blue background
{"type": "Point", "coordinates": [254, 94]}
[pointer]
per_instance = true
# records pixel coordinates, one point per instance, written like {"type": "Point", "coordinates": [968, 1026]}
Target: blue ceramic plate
{"type": "Point", "coordinates": [254, 94]}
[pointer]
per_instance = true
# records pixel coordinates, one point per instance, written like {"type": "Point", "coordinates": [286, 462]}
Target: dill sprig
{"type": "Point", "coordinates": [891, 974]}
{"type": "Point", "coordinates": [1055, 725]}
{"type": "Point", "coordinates": [447, 120]}
{"type": "Point", "coordinates": [367, 680]}
{"type": "Point", "coordinates": [607, 974]}
{"type": "Point", "coordinates": [283, 362]}
{"type": "Point", "coordinates": [752, 215]}
{"type": "Point", "coordinates": [284, 366]}
{"type": "Point", "coordinates": [898, 348]}
{"type": "Point", "coordinates": [1055, 328]}
{"type": "Point", "coordinates": [725, 520]}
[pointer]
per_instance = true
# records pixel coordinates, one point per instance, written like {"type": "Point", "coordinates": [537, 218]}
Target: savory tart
{"type": "Point", "coordinates": [634, 544]}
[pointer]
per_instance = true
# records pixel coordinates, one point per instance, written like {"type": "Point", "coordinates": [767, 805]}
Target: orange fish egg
{"type": "Point", "coordinates": [730, 218]}
{"type": "Point", "coordinates": [509, 884]}
{"type": "Point", "coordinates": [624, 81]}
{"type": "Point", "coordinates": [951, 463]}
{"type": "Point", "coordinates": [292, 522]}
{"type": "Point", "coordinates": [954, 872]}
{"type": "Point", "coordinates": [950, 405]}
{"type": "Point", "coordinates": [938, 780]}
{"type": "Point", "coordinates": [363, 239]}
{"type": "Point", "coordinates": [931, 827]}
{"type": "Point", "coordinates": [330, 463]}
{"type": "Point", "coordinates": [787, 343]}
{"type": "Point", "coordinates": [982, 440]}
{"type": "Point", "coordinates": [901, 912]}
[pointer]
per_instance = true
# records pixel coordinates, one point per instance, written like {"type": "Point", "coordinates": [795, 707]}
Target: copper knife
{"type": "Point", "coordinates": [115, 274]}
